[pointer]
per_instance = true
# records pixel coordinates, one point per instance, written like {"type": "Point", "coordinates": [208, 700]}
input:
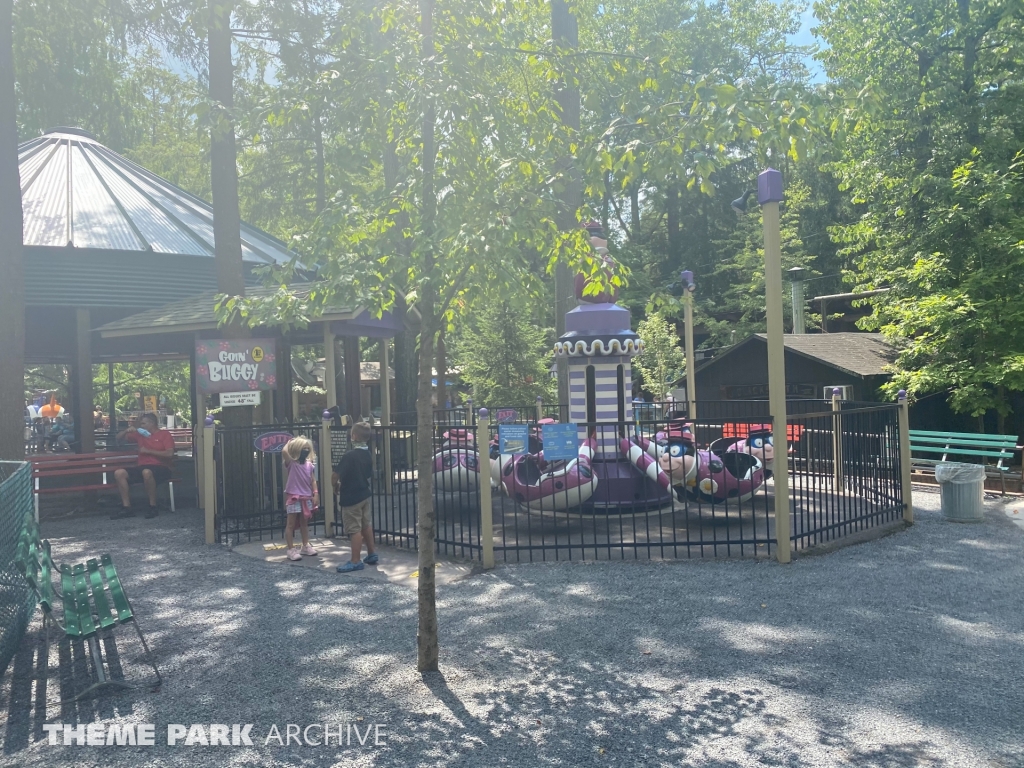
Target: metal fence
{"type": "Point", "coordinates": [17, 601]}
{"type": "Point", "coordinates": [250, 482]}
{"type": "Point", "coordinates": [844, 477]}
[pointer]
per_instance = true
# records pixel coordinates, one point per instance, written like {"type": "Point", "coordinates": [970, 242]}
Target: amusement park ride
{"type": "Point", "coordinates": [616, 467]}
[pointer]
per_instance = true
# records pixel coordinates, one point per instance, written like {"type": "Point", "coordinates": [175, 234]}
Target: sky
{"type": "Point", "coordinates": [804, 37]}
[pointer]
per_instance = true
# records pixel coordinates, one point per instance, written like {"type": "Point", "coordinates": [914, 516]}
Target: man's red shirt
{"type": "Point", "coordinates": [161, 440]}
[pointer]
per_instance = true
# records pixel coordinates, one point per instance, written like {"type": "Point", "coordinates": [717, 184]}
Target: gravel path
{"type": "Point", "coordinates": [905, 651]}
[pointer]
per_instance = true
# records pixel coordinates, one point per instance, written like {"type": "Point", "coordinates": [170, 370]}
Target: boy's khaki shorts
{"type": "Point", "coordinates": [356, 517]}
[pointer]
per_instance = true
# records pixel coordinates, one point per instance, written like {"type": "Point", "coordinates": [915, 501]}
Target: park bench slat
{"type": "Point", "coordinates": [47, 596]}
{"type": "Point", "coordinates": [85, 621]}
{"type": "Point", "coordinates": [962, 435]}
{"type": "Point", "coordinates": [1010, 443]}
{"type": "Point", "coordinates": [71, 626]}
{"type": "Point", "coordinates": [124, 611]}
{"type": "Point", "coordinates": [957, 451]}
{"type": "Point", "coordinates": [99, 596]}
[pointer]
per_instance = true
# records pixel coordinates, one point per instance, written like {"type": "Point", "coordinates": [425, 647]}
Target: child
{"type": "Point", "coordinates": [354, 472]}
{"type": "Point", "coordinates": [300, 493]}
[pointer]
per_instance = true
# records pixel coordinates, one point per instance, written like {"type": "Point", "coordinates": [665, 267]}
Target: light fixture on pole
{"type": "Point", "coordinates": [769, 195]}
{"type": "Point", "coordinates": [689, 287]}
{"type": "Point", "coordinates": [796, 276]}
{"type": "Point", "coordinates": [740, 203]}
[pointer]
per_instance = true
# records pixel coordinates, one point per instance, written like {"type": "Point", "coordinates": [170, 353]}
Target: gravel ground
{"type": "Point", "coordinates": [904, 651]}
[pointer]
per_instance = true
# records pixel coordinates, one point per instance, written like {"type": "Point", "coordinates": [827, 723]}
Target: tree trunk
{"type": "Point", "coordinates": [674, 232]}
{"type": "Point", "coordinates": [236, 454]}
{"type": "Point", "coordinates": [12, 300]}
{"type": "Point", "coordinates": [565, 33]}
{"type": "Point", "coordinates": [634, 214]}
{"type": "Point", "coordinates": [426, 640]}
{"type": "Point", "coordinates": [321, 164]}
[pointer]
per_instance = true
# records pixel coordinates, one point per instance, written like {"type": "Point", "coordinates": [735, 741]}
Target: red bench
{"type": "Point", "coordinates": [182, 439]}
{"type": "Point", "coordinates": [85, 465]}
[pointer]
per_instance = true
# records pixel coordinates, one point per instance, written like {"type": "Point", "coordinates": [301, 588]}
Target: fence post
{"type": "Point", "coordinates": [326, 467]}
{"type": "Point", "coordinates": [483, 439]}
{"type": "Point", "coordinates": [540, 408]}
{"type": "Point", "coordinates": [837, 440]}
{"type": "Point", "coordinates": [209, 480]}
{"type": "Point", "coordinates": [905, 461]}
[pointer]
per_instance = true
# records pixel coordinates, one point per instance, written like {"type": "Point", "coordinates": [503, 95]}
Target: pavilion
{"type": "Point", "coordinates": [119, 267]}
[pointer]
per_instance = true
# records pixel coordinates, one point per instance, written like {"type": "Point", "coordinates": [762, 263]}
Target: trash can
{"type": "Point", "coordinates": [963, 490]}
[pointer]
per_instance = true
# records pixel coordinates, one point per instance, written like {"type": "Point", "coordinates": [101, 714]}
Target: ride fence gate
{"type": "Point", "coordinates": [845, 476]}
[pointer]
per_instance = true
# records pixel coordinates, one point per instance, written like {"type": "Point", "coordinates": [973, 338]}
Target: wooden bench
{"type": "Point", "coordinates": [182, 439]}
{"type": "Point", "coordinates": [85, 465]}
{"type": "Point", "coordinates": [91, 598]}
{"type": "Point", "coordinates": [1000, 447]}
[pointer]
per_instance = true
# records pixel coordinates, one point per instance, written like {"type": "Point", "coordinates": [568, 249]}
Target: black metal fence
{"type": "Point", "coordinates": [716, 497]}
{"type": "Point", "coordinates": [250, 482]}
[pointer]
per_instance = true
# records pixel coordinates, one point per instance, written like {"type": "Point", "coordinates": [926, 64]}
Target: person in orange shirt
{"type": "Point", "coordinates": [156, 456]}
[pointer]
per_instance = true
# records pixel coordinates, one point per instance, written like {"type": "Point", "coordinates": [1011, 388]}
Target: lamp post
{"type": "Point", "coordinates": [691, 387]}
{"type": "Point", "coordinates": [796, 275]}
{"type": "Point", "coordinates": [769, 195]}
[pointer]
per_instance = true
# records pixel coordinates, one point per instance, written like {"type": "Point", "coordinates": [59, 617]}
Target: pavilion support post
{"type": "Point", "coordinates": [112, 405]}
{"type": "Point", "coordinates": [330, 367]}
{"type": "Point", "coordinates": [199, 442]}
{"type": "Point", "coordinates": [83, 404]}
{"type": "Point", "coordinates": [385, 416]}
{"type": "Point", "coordinates": [353, 400]}
{"type": "Point", "coordinates": [326, 487]}
{"type": "Point", "coordinates": [210, 486]}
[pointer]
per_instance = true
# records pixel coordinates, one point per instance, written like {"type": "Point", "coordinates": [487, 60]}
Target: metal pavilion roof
{"type": "Point", "coordinates": [77, 193]}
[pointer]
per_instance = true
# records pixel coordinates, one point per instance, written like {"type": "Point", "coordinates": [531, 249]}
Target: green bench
{"type": "Point", "coordinates": [90, 597]}
{"type": "Point", "coordinates": [961, 444]}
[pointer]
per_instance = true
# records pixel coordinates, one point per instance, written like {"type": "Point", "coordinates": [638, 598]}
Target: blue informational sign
{"type": "Point", "coordinates": [513, 438]}
{"type": "Point", "coordinates": [561, 441]}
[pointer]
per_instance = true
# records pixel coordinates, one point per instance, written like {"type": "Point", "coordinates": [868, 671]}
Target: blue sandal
{"type": "Point", "coordinates": [349, 567]}
{"type": "Point", "coordinates": [371, 559]}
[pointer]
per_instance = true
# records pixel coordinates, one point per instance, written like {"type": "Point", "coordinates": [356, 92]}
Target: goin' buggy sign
{"type": "Point", "coordinates": [235, 365]}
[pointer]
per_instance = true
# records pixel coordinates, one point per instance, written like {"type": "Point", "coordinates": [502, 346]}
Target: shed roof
{"type": "Point", "coordinates": [858, 354]}
{"type": "Point", "coordinates": [78, 193]}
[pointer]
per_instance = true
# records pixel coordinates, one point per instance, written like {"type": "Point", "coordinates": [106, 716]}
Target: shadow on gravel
{"type": "Point", "coordinates": [908, 651]}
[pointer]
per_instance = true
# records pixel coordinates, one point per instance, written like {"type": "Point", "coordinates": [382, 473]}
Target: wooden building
{"type": "Point", "coordinates": [815, 363]}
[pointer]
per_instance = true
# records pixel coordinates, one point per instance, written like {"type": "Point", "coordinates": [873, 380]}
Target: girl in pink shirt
{"type": "Point", "coordinates": [300, 494]}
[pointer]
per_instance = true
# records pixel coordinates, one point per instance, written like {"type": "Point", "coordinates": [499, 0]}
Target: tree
{"type": "Point", "coordinates": [12, 307]}
{"type": "Point", "coordinates": [662, 362]}
{"type": "Point", "coordinates": [503, 355]}
{"type": "Point", "coordinates": [929, 144]}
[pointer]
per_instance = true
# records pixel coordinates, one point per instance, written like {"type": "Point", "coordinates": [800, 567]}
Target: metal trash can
{"type": "Point", "coordinates": [963, 490]}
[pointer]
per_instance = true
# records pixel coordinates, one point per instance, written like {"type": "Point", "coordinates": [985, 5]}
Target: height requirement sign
{"type": "Point", "coordinates": [236, 367]}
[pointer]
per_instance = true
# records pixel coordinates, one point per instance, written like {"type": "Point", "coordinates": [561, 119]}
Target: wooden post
{"type": "Point", "coordinates": [690, 352]}
{"type": "Point", "coordinates": [84, 403]}
{"type": "Point", "coordinates": [327, 489]}
{"type": "Point", "coordinates": [198, 443]}
{"type": "Point", "coordinates": [837, 441]}
{"type": "Point", "coordinates": [210, 480]}
{"type": "Point", "coordinates": [385, 417]}
{"type": "Point", "coordinates": [483, 439]}
{"type": "Point", "coordinates": [906, 463]}
{"type": "Point", "coordinates": [540, 408]}
{"type": "Point", "coordinates": [769, 195]}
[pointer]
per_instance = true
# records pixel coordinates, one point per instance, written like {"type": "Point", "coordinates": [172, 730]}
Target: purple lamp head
{"type": "Point", "coordinates": [687, 278]}
{"type": "Point", "coordinates": [901, 395]}
{"type": "Point", "coordinates": [769, 187]}
{"type": "Point", "coordinates": [208, 421]}
{"type": "Point", "coordinates": [483, 413]}
{"type": "Point", "coordinates": [326, 415]}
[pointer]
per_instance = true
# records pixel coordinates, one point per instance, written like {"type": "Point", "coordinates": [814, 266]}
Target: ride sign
{"type": "Point", "coordinates": [561, 441]}
{"type": "Point", "coordinates": [233, 365]}
{"type": "Point", "coordinates": [272, 442]}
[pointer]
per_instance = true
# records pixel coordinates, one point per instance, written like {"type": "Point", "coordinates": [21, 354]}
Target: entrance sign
{"type": "Point", "coordinates": [272, 442]}
{"type": "Point", "coordinates": [228, 399]}
{"type": "Point", "coordinates": [506, 415]}
{"type": "Point", "coordinates": [561, 441]}
{"type": "Point", "coordinates": [513, 438]}
{"type": "Point", "coordinates": [233, 365]}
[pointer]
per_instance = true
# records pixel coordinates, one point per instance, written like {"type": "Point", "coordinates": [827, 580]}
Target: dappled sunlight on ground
{"type": "Point", "coordinates": [906, 651]}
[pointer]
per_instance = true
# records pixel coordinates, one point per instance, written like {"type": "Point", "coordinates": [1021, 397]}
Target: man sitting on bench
{"type": "Point", "coordinates": [156, 454]}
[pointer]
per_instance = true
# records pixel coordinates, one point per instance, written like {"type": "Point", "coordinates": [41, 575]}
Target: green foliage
{"type": "Point", "coordinates": [930, 143]}
{"type": "Point", "coordinates": [503, 356]}
{"type": "Point", "coordinates": [662, 362]}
